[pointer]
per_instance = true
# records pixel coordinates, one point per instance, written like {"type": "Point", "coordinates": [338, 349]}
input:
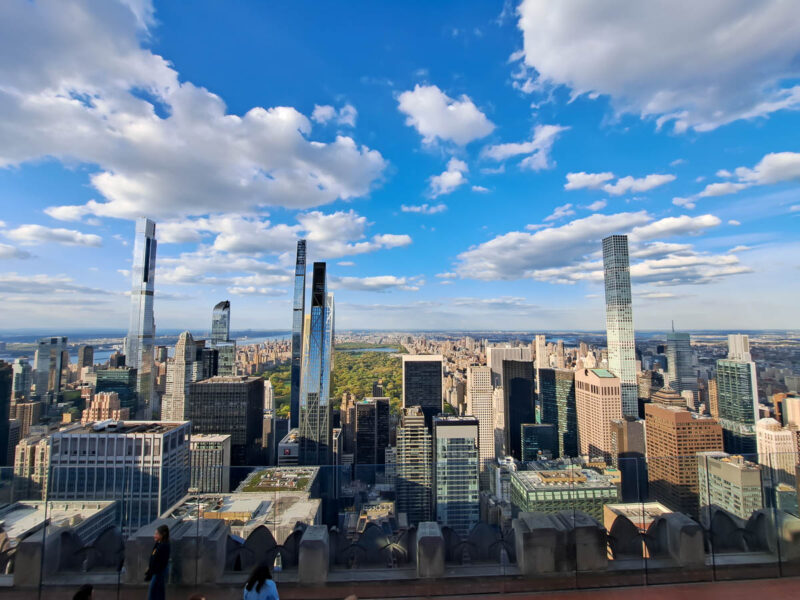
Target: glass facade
{"type": "Point", "coordinates": [737, 399]}
{"type": "Point", "coordinates": [682, 375]}
{"type": "Point", "coordinates": [456, 472]}
{"type": "Point", "coordinates": [298, 320]}
{"type": "Point", "coordinates": [558, 407]}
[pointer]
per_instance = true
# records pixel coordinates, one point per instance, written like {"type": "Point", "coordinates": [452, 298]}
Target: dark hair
{"type": "Point", "coordinates": [164, 531]}
{"type": "Point", "coordinates": [84, 592]}
{"type": "Point", "coordinates": [257, 578]}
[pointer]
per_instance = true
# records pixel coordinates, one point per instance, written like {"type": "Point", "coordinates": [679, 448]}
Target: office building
{"type": "Point", "coordinates": [14, 429]}
{"type": "Point", "coordinates": [456, 474]}
{"type": "Point", "coordinates": [233, 406]}
{"type": "Point", "coordinates": [518, 395]}
{"type": "Point", "coordinates": [6, 377]}
{"type": "Point", "coordinates": [542, 361]}
{"type": "Point", "coordinates": [144, 465]}
{"type": "Point", "coordinates": [597, 402]}
{"type": "Point", "coordinates": [315, 403]}
{"type": "Point", "coordinates": [713, 398]}
{"type": "Point", "coordinates": [371, 436]}
{"type": "Point", "coordinates": [28, 414]}
{"type": "Point", "coordinates": [414, 479]}
{"type": "Point", "coordinates": [122, 381]}
{"type": "Point", "coordinates": [422, 384]}
{"type": "Point", "coordinates": [104, 406]}
{"type": "Point", "coordinates": [480, 404]}
{"type": "Point", "coordinates": [289, 449]}
{"type": "Point", "coordinates": [210, 455]}
{"type": "Point", "coordinates": [181, 372]}
{"type": "Point", "coordinates": [730, 483]}
{"type": "Point", "coordinates": [22, 380]}
{"type": "Point", "coordinates": [85, 357]}
{"type": "Point", "coordinates": [31, 468]}
{"type": "Point", "coordinates": [495, 355]}
{"type": "Point", "coordinates": [680, 369]}
{"type": "Point", "coordinates": [557, 407]}
{"type": "Point", "coordinates": [666, 396]}
{"type": "Point", "coordinates": [737, 397]}
{"type": "Point", "coordinates": [673, 437]}
{"type": "Point", "coordinates": [139, 343]}
{"type": "Point", "coordinates": [619, 320]}
{"type": "Point", "coordinates": [778, 451]}
{"type": "Point", "coordinates": [739, 347]}
{"type": "Point", "coordinates": [553, 486]}
{"type": "Point", "coordinates": [50, 360]}
{"type": "Point", "coordinates": [298, 335]}
{"type": "Point", "coordinates": [628, 456]}
{"type": "Point", "coordinates": [221, 341]}
{"type": "Point", "coordinates": [539, 441]}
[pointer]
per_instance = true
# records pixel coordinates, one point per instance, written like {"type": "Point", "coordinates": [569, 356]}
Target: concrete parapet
{"type": "Point", "coordinates": [430, 550]}
{"type": "Point", "coordinates": [314, 556]}
{"type": "Point", "coordinates": [138, 548]}
{"type": "Point", "coordinates": [199, 549]}
{"type": "Point", "coordinates": [676, 536]}
{"type": "Point", "coordinates": [588, 538]}
{"type": "Point", "coordinates": [539, 540]}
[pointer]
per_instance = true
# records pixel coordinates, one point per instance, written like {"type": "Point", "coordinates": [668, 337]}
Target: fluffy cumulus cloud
{"type": "Point", "coordinates": [450, 179]}
{"type": "Point", "coordinates": [537, 150]}
{"type": "Point", "coordinates": [559, 212]}
{"type": "Point", "coordinates": [437, 116]}
{"type": "Point", "coordinates": [425, 209]}
{"type": "Point", "coordinates": [379, 283]}
{"type": "Point", "coordinates": [39, 234]}
{"type": "Point", "coordinates": [583, 180]}
{"type": "Point", "coordinates": [570, 253]}
{"type": "Point", "coordinates": [623, 185]}
{"type": "Point", "coordinates": [79, 86]}
{"type": "Point", "coordinates": [729, 61]}
{"type": "Point", "coordinates": [345, 116]}
{"type": "Point", "coordinates": [7, 252]}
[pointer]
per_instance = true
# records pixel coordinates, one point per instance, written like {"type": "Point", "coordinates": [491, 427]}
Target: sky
{"type": "Point", "coordinates": [456, 164]}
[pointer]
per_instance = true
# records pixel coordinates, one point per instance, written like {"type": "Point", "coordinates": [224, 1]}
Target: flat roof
{"type": "Point", "coordinates": [562, 479]}
{"type": "Point", "coordinates": [121, 427]}
{"type": "Point", "coordinates": [641, 512]}
{"type": "Point", "coordinates": [603, 373]}
{"type": "Point", "coordinates": [24, 517]}
{"type": "Point", "coordinates": [209, 437]}
{"type": "Point", "coordinates": [227, 379]}
{"type": "Point", "coordinates": [279, 479]}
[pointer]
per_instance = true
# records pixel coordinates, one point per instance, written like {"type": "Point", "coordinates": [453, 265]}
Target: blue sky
{"type": "Point", "coordinates": [456, 164]}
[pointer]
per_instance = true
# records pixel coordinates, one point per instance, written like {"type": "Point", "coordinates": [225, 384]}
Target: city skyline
{"type": "Point", "coordinates": [463, 181]}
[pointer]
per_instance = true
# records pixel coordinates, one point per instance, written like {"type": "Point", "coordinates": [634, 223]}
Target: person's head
{"type": "Point", "coordinates": [161, 534]}
{"type": "Point", "coordinates": [84, 592]}
{"type": "Point", "coordinates": [257, 578]}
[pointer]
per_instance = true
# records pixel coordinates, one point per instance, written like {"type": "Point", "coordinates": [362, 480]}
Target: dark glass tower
{"type": "Point", "coordinates": [557, 401]}
{"type": "Point", "coordinates": [518, 387]}
{"type": "Point", "coordinates": [298, 318]}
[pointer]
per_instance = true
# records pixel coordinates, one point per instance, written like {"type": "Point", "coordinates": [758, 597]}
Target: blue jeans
{"type": "Point", "coordinates": [158, 588]}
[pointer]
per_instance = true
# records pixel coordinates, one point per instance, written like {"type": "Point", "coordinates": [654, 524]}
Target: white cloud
{"type": "Point", "coordinates": [594, 181]}
{"type": "Point", "coordinates": [740, 248]}
{"type": "Point", "coordinates": [627, 184]}
{"type": "Point", "coordinates": [379, 283]}
{"type": "Point", "coordinates": [685, 202]}
{"type": "Point", "coordinates": [677, 162]}
{"type": "Point", "coordinates": [734, 222]}
{"type": "Point", "coordinates": [39, 234]}
{"type": "Point", "coordinates": [50, 285]}
{"type": "Point", "coordinates": [251, 290]}
{"type": "Point", "coordinates": [672, 226]}
{"type": "Point", "coordinates": [344, 116]}
{"type": "Point", "coordinates": [447, 275]}
{"type": "Point", "coordinates": [450, 179]}
{"type": "Point", "coordinates": [437, 116]}
{"type": "Point", "coordinates": [560, 212]}
{"type": "Point", "coordinates": [776, 167]}
{"type": "Point", "coordinates": [346, 263]}
{"type": "Point", "coordinates": [794, 208]}
{"type": "Point", "coordinates": [721, 189]}
{"type": "Point", "coordinates": [79, 86]}
{"type": "Point", "coordinates": [480, 189]}
{"type": "Point", "coordinates": [597, 205]}
{"type": "Point", "coordinates": [425, 209]}
{"type": "Point", "coordinates": [329, 235]}
{"type": "Point", "coordinates": [537, 150]}
{"type": "Point", "coordinates": [8, 252]}
{"type": "Point", "coordinates": [724, 173]}
{"type": "Point", "coordinates": [391, 240]}
{"type": "Point", "coordinates": [651, 59]}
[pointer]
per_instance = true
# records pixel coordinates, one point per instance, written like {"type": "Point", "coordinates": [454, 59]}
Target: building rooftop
{"type": "Point", "coordinates": [280, 479]}
{"type": "Point", "coordinates": [121, 427]}
{"type": "Point", "coordinates": [20, 519]}
{"type": "Point", "coordinates": [209, 437]}
{"type": "Point", "coordinates": [227, 379]}
{"type": "Point", "coordinates": [642, 513]}
{"type": "Point", "coordinates": [564, 479]}
{"type": "Point", "coordinates": [603, 373]}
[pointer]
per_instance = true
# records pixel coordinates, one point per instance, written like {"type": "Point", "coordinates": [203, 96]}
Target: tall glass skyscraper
{"type": "Point", "coordinates": [557, 403]}
{"type": "Point", "coordinates": [139, 344]}
{"type": "Point", "coordinates": [315, 407]}
{"type": "Point", "coordinates": [737, 398]}
{"type": "Point", "coordinates": [298, 319]}
{"type": "Point", "coordinates": [619, 320]}
{"type": "Point", "coordinates": [220, 339]}
{"type": "Point", "coordinates": [682, 376]}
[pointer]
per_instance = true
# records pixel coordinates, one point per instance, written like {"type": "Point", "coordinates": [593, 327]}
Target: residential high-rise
{"type": "Point", "coordinates": [85, 357]}
{"type": "Point", "coordinates": [518, 392]}
{"type": "Point", "coordinates": [371, 436]}
{"type": "Point", "coordinates": [232, 406]}
{"type": "Point", "coordinates": [315, 406]}
{"type": "Point", "coordinates": [221, 340]}
{"type": "Point", "coordinates": [480, 404]}
{"type": "Point", "coordinates": [713, 398]}
{"type": "Point", "coordinates": [144, 465]}
{"type": "Point", "coordinates": [495, 355]}
{"type": "Point", "coordinates": [597, 402]}
{"type": "Point", "coordinates": [739, 347]}
{"type": "Point", "coordinates": [211, 463]}
{"type": "Point", "coordinates": [673, 437]}
{"type": "Point", "coordinates": [730, 483]}
{"type": "Point", "coordinates": [619, 320]}
{"type": "Point", "coordinates": [557, 406]}
{"type": "Point", "coordinates": [104, 406]}
{"type": "Point", "coordinates": [49, 365]}
{"type": "Point", "coordinates": [22, 379]}
{"type": "Point", "coordinates": [298, 336]}
{"type": "Point", "coordinates": [737, 397]}
{"type": "Point", "coordinates": [542, 359]}
{"type": "Point", "coordinates": [139, 343]}
{"type": "Point", "coordinates": [456, 476]}
{"type": "Point", "coordinates": [6, 376]}
{"type": "Point", "coordinates": [414, 478]}
{"type": "Point", "coordinates": [628, 455]}
{"type": "Point", "coordinates": [28, 414]}
{"type": "Point", "coordinates": [778, 449]}
{"type": "Point", "coordinates": [682, 375]}
{"type": "Point", "coordinates": [180, 374]}
{"type": "Point", "coordinates": [422, 384]}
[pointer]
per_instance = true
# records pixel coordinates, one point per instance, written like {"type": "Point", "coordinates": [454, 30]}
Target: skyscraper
{"type": "Point", "coordinates": [180, 373]}
{"type": "Point", "coordinates": [142, 326]}
{"type": "Point", "coordinates": [22, 373]}
{"type": "Point", "coordinates": [422, 384]}
{"type": "Point", "coordinates": [597, 401]}
{"type": "Point", "coordinates": [541, 358]}
{"type": "Point", "coordinates": [221, 339]}
{"type": "Point", "coordinates": [730, 483]}
{"type": "Point", "coordinates": [557, 404]}
{"type": "Point", "coordinates": [455, 441]}
{"type": "Point", "coordinates": [496, 355]}
{"type": "Point", "coordinates": [518, 392]}
{"type": "Point", "coordinates": [85, 357]}
{"type": "Point", "coordinates": [315, 407]}
{"type": "Point", "coordinates": [739, 347]}
{"type": "Point", "coordinates": [619, 320]}
{"type": "Point", "coordinates": [413, 479]}
{"type": "Point", "coordinates": [682, 376]}
{"type": "Point", "coordinates": [298, 321]}
{"type": "Point", "coordinates": [6, 375]}
{"type": "Point", "coordinates": [777, 451]}
{"type": "Point", "coordinates": [49, 364]}
{"type": "Point", "coordinates": [371, 436]}
{"type": "Point", "coordinates": [737, 399]}
{"type": "Point", "coordinates": [480, 404]}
